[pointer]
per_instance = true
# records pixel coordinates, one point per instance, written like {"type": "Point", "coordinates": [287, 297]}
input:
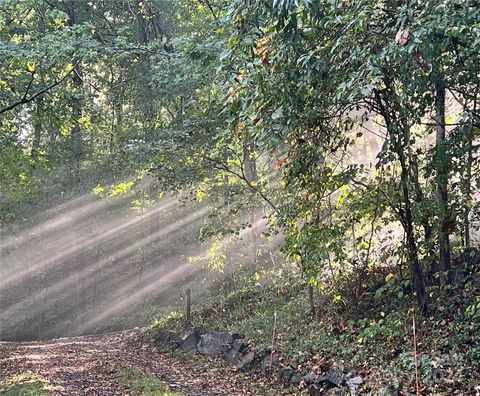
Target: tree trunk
{"type": "Point", "coordinates": [417, 274]}
{"type": "Point", "coordinates": [146, 95]}
{"type": "Point", "coordinates": [98, 277]}
{"type": "Point", "coordinates": [399, 132]}
{"type": "Point", "coordinates": [311, 299]}
{"type": "Point", "coordinates": [427, 227]}
{"type": "Point", "coordinates": [142, 26]}
{"type": "Point", "coordinates": [117, 118]}
{"type": "Point", "coordinates": [144, 244]}
{"type": "Point", "coordinates": [37, 129]}
{"type": "Point", "coordinates": [467, 180]}
{"type": "Point", "coordinates": [468, 191]}
{"type": "Point", "coordinates": [76, 147]}
{"type": "Point", "coordinates": [250, 170]}
{"type": "Point", "coordinates": [154, 221]}
{"type": "Point", "coordinates": [442, 182]}
{"type": "Point", "coordinates": [75, 130]}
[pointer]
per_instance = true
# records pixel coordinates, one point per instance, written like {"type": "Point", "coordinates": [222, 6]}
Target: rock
{"type": "Point", "coordinates": [269, 364]}
{"type": "Point", "coordinates": [311, 379]}
{"type": "Point", "coordinates": [436, 373]}
{"type": "Point", "coordinates": [335, 377]}
{"type": "Point", "coordinates": [213, 343]}
{"type": "Point", "coordinates": [238, 347]}
{"type": "Point", "coordinates": [230, 354]}
{"type": "Point", "coordinates": [296, 379]}
{"type": "Point", "coordinates": [286, 374]}
{"type": "Point", "coordinates": [294, 363]}
{"type": "Point", "coordinates": [236, 336]}
{"type": "Point", "coordinates": [238, 355]}
{"type": "Point", "coordinates": [254, 363]}
{"type": "Point", "coordinates": [190, 342]}
{"type": "Point", "coordinates": [355, 381]}
{"type": "Point", "coordinates": [319, 389]}
{"type": "Point", "coordinates": [353, 384]}
{"type": "Point", "coordinates": [315, 390]}
{"type": "Point", "coordinates": [245, 360]}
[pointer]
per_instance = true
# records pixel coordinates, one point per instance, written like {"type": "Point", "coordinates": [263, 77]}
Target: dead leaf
{"type": "Point", "coordinates": [402, 36]}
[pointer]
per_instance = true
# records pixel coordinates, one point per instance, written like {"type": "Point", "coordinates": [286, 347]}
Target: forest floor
{"type": "Point", "coordinates": [110, 364]}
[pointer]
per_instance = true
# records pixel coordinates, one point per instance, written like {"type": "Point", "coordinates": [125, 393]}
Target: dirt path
{"type": "Point", "coordinates": [87, 365]}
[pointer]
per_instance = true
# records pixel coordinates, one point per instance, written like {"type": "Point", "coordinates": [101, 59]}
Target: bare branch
{"type": "Point", "coordinates": [220, 165]}
{"type": "Point", "coordinates": [86, 81]}
{"type": "Point", "coordinates": [26, 99]}
{"type": "Point", "coordinates": [29, 85]}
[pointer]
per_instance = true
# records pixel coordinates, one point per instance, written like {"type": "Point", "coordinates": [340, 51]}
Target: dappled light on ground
{"type": "Point", "coordinates": [91, 365]}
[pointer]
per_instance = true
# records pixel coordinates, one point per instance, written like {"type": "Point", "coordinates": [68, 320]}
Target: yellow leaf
{"type": "Point", "coordinates": [31, 66]}
{"type": "Point", "coordinates": [449, 120]}
{"type": "Point", "coordinates": [98, 190]}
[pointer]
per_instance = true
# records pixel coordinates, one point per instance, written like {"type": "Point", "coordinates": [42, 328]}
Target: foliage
{"type": "Point", "coordinates": [447, 341]}
{"type": "Point", "coordinates": [349, 130]}
{"type": "Point", "coordinates": [346, 69]}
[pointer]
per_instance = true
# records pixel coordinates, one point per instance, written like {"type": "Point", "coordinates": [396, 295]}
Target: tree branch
{"type": "Point", "coordinates": [209, 5]}
{"type": "Point", "coordinates": [29, 85]}
{"type": "Point", "coordinates": [26, 99]}
{"type": "Point", "coordinates": [220, 165]}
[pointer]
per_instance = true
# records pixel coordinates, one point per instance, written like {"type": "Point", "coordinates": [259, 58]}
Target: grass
{"type": "Point", "coordinates": [25, 384]}
{"type": "Point", "coordinates": [141, 384]}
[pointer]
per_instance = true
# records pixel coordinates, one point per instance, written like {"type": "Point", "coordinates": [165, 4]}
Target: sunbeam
{"type": "Point", "coordinates": [61, 218]}
{"type": "Point", "coordinates": [83, 274]}
{"type": "Point", "coordinates": [116, 230]}
{"type": "Point", "coordinates": [160, 278]}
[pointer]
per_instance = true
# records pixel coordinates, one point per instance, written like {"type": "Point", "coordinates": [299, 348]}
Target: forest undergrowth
{"type": "Point", "coordinates": [369, 335]}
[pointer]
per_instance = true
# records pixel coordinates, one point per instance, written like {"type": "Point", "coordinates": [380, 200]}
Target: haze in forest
{"type": "Point", "coordinates": [308, 170]}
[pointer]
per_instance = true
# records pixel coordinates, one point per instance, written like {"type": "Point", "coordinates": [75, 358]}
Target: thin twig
{"type": "Point", "coordinates": [273, 341]}
{"type": "Point", "coordinates": [87, 82]}
{"type": "Point", "coordinates": [29, 85]}
{"type": "Point", "coordinates": [220, 165]}
{"type": "Point", "coordinates": [417, 389]}
{"type": "Point", "coordinates": [26, 100]}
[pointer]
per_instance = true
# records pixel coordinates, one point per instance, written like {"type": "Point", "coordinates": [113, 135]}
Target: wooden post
{"type": "Point", "coordinates": [311, 300]}
{"type": "Point", "coordinates": [188, 304]}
